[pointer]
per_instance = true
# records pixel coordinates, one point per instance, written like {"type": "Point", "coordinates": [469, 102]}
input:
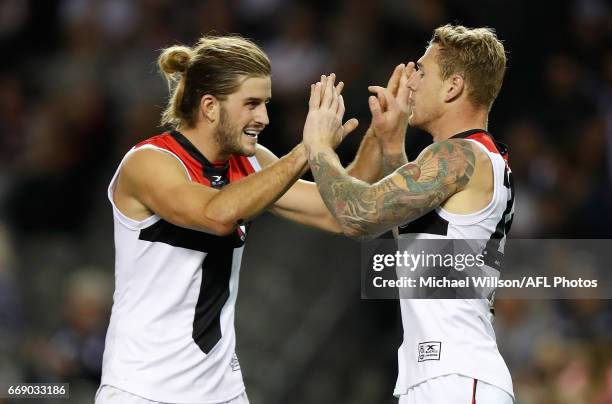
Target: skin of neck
{"type": "Point", "coordinates": [456, 119]}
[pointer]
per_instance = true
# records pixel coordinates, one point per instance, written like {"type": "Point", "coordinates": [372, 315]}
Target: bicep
{"type": "Point", "coordinates": [158, 181]}
{"type": "Point", "coordinates": [413, 189]}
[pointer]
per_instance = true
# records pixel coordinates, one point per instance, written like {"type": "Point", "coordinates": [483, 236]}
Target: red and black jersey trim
{"type": "Point", "coordinates": [216, 174]}
{"type": "Point", "coordinates": [485, 138]}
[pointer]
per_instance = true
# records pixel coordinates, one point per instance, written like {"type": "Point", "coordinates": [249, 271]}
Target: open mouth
{"type": "Point", "coordinates": [251, 133]}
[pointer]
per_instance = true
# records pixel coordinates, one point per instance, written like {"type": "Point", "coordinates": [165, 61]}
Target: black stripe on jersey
{"type": "Point", "coordinates": [216, 273]}
{"type": "Point", "coordinates": [168, 233]}
{"type": "Point", "coordinates": [493, 257]}
{"type": "Point", "coordinates": [214, 292]}
{"type": "Point", "coordinates": [430, 223]}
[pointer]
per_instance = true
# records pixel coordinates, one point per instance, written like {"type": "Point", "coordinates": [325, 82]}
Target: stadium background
{"type": "Point", "coordinates": [78, 87]}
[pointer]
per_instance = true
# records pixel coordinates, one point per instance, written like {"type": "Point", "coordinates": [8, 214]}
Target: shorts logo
{"type": "Point", "coordinates": [430, 351]}
{"type": "Point", "coordinates": [234, 364]}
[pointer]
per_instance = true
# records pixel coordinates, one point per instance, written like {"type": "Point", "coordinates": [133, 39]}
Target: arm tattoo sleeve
{"type": "Point", "coordinates": [365, 210]}
{"type": "Point", "coordinates": [392, 162]}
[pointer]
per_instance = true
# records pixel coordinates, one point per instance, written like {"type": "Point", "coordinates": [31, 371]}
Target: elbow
{"type": "Point", "coordinates": [221, 221]}
{"type": "Point", "coordinates": [357, 233]}
{"type": "Point", "coordinates": [223, 228]}
{"type": "Point", "coordinates": [209, 224]}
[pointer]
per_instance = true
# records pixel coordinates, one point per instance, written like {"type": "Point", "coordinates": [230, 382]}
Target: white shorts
{"type": "Point", "coordinates": [111, 395]}
{"type": "Point", "coordinates": [455, 389]}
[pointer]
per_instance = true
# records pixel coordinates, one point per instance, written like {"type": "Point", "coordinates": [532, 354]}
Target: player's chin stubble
{"type": "Point", "coordinates": [228, 137]}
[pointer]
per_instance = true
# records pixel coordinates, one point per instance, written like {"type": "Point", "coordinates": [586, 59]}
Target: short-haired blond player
{"type": "Point", "coordinates": [460, 187]}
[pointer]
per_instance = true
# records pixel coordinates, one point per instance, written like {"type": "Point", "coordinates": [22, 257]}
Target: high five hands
{"type": "Point", "coordinates": [390, 110]}
{"type": "Point", "coordinates": [323, 125]}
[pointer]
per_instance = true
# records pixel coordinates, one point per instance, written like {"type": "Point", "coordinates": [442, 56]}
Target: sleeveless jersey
{"type": "Point", "coordinates": [457, 334]}
{"type": "Point", "coordinates": [171, 335]}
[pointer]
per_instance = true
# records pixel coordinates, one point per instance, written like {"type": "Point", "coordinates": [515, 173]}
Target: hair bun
{"type": "Point", "coordinates": [175, 59]}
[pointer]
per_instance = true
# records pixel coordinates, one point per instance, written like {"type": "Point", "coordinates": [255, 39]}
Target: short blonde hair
{"type": "Point", "coordinates": [213, 66]}
{"type": "Point", "coordinates": [477, 55]}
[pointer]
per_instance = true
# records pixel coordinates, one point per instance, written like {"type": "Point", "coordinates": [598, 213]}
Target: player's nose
{"type": "Point", "coordinates": [262, 115]}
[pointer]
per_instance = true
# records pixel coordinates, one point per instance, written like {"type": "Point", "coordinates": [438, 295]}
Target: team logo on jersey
{"type": "Point", "coordinates": [217, 180]}
{"type": "Point", "coordinates": [430, 351]}
{"type": "Point", "coordinates": [234, 364]}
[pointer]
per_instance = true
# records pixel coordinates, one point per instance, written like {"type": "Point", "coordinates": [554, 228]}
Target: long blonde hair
{"type": "Point", "coordinates": [213, 66]}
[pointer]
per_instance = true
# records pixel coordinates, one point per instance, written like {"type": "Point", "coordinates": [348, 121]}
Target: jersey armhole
{"type": "Point", "coordinates": [120, 216]}
{"type": "Point", "coordinates": [480, 215]}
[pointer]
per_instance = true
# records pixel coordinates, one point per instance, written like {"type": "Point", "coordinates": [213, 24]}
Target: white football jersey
{"type": "Point", "coordinates": [171, 335]}
{"type": "Point", "coordinates": [456, 336]}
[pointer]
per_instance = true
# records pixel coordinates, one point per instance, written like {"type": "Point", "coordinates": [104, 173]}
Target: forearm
{"type": "Point", "coordinates": [393, 150]}
{"type": "Point", "coordinates": [368, 163]}
{"type": "Point", "coordinates": [242, 200]}
{"type": "Point", "coordinates": [393, 157]}
{"type": "Point", "coordinates": [321, 220]}
{"type": "Point", "coordinates": [345, 197]}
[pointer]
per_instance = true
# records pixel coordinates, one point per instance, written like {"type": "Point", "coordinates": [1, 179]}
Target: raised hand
{"type": "Point", "coordinates": [390, 107]}
{"type": "Point", "coordinates": [323, 124]}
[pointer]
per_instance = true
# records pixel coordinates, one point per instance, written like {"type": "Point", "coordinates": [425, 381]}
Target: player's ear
{"type": "Point", "coordinates": [454, 87]}
{"type": "Point", "coordinates": [209, 108]}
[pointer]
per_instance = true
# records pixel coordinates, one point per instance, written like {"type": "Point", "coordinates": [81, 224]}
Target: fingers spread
{"type": "Point", "coordinates": [323, 85]}
{"type": "Point", "coordinates": [375, 89]}
{"type": "Point", "coordinates": [375, 109]}
{"type": "Point", "coordinates": [403, 92]}
{"type": "Point", "coordinates": [349, 126]}
{"type": "Point", "coordinates": [383, 94]}
{"type": "Point", "coordinates": [394, 81]}
{"type": "Point", "coordinates": [341, 109]}
{"type": "Point", "coordinates": [335, 102]}
{"type": "Point", "coordinates": [329, 93]}
{"type": "Point", "coordinates": [410, 68]}
{"type": "Point", "coordinates": [340, 87]}
{"type": "Point", "coordinates": [315, 96]}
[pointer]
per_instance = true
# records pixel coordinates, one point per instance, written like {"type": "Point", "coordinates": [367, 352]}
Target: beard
{"type": "Point", "coordinates": [227, 135]}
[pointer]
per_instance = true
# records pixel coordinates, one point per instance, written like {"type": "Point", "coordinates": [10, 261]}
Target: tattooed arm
{"type": "Point", "coordinates": [365, 211]}
{"type": "Point", "coordinates": [391, 161]}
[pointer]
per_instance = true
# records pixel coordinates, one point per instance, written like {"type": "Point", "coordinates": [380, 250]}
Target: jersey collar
{"type": "Point", "coordinates": [195, 153]}
{"type": "Point", "coordinates": [470, 132]}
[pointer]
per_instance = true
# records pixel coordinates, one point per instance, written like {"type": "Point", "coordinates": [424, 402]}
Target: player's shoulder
{"type": "Point", "coordinates": [147, 163]}
{"type": "Point", "coordinates": [455, 148]}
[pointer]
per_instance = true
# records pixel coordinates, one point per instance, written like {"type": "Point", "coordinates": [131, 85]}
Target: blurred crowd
{"type": "Point", "coordinates": [79, 86]}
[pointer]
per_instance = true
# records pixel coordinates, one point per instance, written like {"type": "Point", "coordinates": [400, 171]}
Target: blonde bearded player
{"type": "Point", "coordinates": [460, 187]}
{"type": "Point", "coordinates": [182, 203]}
